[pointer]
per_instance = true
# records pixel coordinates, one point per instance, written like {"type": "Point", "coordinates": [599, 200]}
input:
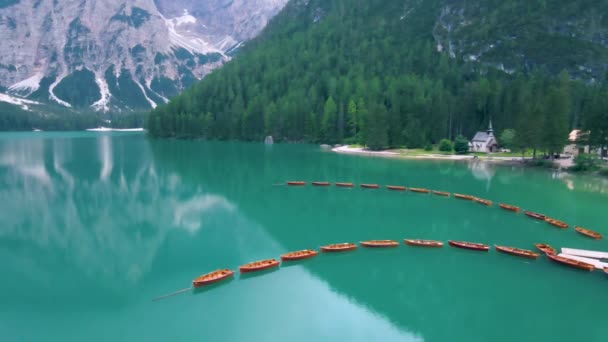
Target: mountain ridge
{"type": "Point", "coordinates": [116, 47]}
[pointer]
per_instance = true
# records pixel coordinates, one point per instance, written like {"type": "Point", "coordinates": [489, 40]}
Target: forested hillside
{"type": "Point", "coordinates": [375, 72]}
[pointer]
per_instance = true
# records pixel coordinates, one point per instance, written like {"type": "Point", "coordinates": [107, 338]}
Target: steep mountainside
{"type": "Point", "coordinates": [405, 73]}
{"type": "Point", "coordinates": [128, 54]}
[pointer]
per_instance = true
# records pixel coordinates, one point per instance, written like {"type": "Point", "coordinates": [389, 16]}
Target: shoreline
{"type": "Point", "coordinates": [430, 156]}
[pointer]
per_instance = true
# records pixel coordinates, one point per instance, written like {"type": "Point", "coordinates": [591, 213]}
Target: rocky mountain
{"type": "Point", "coordinates": [119, 54]}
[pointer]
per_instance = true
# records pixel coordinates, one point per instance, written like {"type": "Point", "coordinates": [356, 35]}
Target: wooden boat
{"type": "Point", "coordinates": [379, 243]}
{"type": "Point", "coordinates": [464, 197]}
{"type": "Point", "coordinates": [543, 247]}
{"type": "Point", "coordinates": [212, 277]}
{"type": "Point", "coordinates": [509, 207]}
{"type": "Point", "coordinates": [605, 269]}
{"type": "Point", "coordinates": [420, 190]}
{"type": "Point", "coordinates": [589, 233]}
{"type": "Point", "coordinates": [370, 186]}
{"type": "Point", "coordinates": [483, 201]}
{"type": "Point", "coordinates": [572, 263]}
{"type": "Point", "coordinates": [298, 255]}
{"type": "Point", "coordinates": [469, 245]}
{"type": "Point", "coordinates": [345, 185]}
{"type": "Point", "coordinates": [296, 183]}
{"type": "Point", "coordinates": [339, 247]}
{"type": "Point", "coordinates": [517, 252]}
{"type": "Point", "coordinates": [396, 187]}
{"type": "Point", "coordinates": [321, 183]}
{"type": "Point", "coordinates": [535, 215]}
{"type": "Point", "coordinates": [441, 193]}
{"type": "Point", "coordinates": [259, 265]}
{"type": "Point", "coordinates": [556, 223]}
{"type": "Point", "coordinates": [423, 243]}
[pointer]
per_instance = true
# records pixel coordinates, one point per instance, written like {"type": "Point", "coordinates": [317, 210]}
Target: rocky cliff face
{"type": "Point", "coordinates": [111, 54]}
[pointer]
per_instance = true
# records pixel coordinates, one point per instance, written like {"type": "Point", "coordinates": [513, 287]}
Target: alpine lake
{"type": "Point", "coordinates": [93, 226]}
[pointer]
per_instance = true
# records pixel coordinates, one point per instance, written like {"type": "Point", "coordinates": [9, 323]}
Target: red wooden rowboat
{"type": "Point", "coordinates": [483, 201]}
{"type": "Point", "coordinates": [212, 277]}
{"type": "Point", "coordinates": [259, 265]}
{"type": "Point", "coordinates": [370, 186]}
{"type": "Point", "coordinates": [441, 193]}
{"type": "Point", "coordinates": [535, 215]}
{"type": "Point", "coordinates": [420, 190]}
{"type": "Point", "coordinates": [517, 252]}
{"type": "Point", "coordinates": [396, 187]}
{"type": "Point", "coordinates": [379, 243]}
{"type": "Point", "coordinates": [423, 243]}
{"type": "Point", "coordinates": [298, 255]}
{"type": "Point", "coordinates": [543, 247]}
{"type": "Point", "coordinates": [589, 233]}
{"type": "Point", "coordinates": [339, 247]}
{"type": "Point", "coordinates": [572, 263]}
{"type": "Point", "coordinates": [464, 197]}
{"type": "Point", "coordinates": [321, 183]}
{"type": "Point", "coordinates": [556, 223]}
{"type": "Point", "coordinates": [345, 185]}
{"type": "Point", "coordinates": [469, 245]}
{"type": "Point", "coordinates": [509, 207]}
{"type": "Point", "coordinates": [296, 183]}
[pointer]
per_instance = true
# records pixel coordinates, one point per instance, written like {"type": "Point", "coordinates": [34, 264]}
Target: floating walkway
{"type": "Point", "coordinates": [585, 253]}
{"type": "Point", "coordinates": [598, 264]}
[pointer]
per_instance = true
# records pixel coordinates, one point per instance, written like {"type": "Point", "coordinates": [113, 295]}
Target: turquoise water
{"type": "Point", "coordinates": [95, 225]}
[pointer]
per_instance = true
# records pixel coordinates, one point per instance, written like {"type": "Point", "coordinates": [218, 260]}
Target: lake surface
{"type": "Point", "coordinates": [95, 225]}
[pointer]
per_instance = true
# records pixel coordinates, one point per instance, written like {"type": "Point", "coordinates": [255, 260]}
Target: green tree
{"type": "Point", "coordinates": [376, 137]}
{"type": "Point", "coordinates": [507, 138]}
{"type": "Point", "coordinates": [352, 121]}
{"type": "Point", "coordinates": [446, 145]}
{"type": "Point", "coordinates": [329, 122]}
{"type": "Point", "coordinates": [461, 145]}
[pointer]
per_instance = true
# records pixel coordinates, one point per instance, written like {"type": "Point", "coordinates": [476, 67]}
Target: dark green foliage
{"type": "Point", "coordinates": [164, 86]}
{"type": "Point", "coordinates": [461, 145]}
{"type": "Point", "coordinates": [78, 89]}
{"type": "Point", "coordinates": [138, 17]}
{"type": "Point", "coordinates": [78, 42]}
{"type": "Point", "coordinates": [507, 138]}
{"type": "Point", "coordinates": [138, 53]}
{"type": "Point", "coordinates": [186, 76]}
{"type": "Point", "coordinates": [182, 54]}
{"type": "Point", "coordinates": [445, 145]}
{"type": "Point", "coordinates": [125, 90]}
{"type": "Point", "coordinates": [159, 58]}
{"type": "Point", "coordinates": [209, 58]}
{"type": "Point", "coordinates": [42, 93]}
{"type": "Point", "coordinates": [428, 147]}
{"type": "Point", "coordinates": [352, 70]}
{"type": "Point", "coordinates": [586, 162]}
{"type": "Point", "coordinates": [13, 118]}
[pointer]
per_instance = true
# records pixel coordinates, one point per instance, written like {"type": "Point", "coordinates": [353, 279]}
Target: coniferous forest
{"type": "Point", "coordinates": [371, 72]}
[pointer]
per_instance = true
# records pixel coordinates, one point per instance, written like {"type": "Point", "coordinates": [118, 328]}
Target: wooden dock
{"type": "Point", "coordinates": [598, 264]}
{"type": "Point", "coordinates": [585, 253]}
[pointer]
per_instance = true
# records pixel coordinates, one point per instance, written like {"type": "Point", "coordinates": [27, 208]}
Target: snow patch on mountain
{"type": "Point", "coordinates": [186, 39]}
{"type": "Point", "coordinates": [52, 95]}
{"type": "Point", "coordinates": [143, 90]}
{"type": "Point", "coordinates": [23, 103]}
{"type": "Point", "coordinates": [28, 85]}
{"type": "Point", "coordinates": [102, 103]}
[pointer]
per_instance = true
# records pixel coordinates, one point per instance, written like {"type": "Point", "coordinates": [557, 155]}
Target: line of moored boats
{"type": "Point", "coordinates": [550, 252]}
{"type": "Point", "coordinates": [556, 223]}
